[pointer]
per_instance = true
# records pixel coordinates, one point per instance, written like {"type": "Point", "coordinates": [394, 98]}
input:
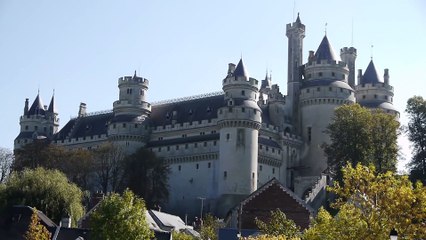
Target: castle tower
{"type": "Point", "coordinates": [325, 87]}
{"type": "Point", "coordinates": [37, 122]}
{"type": "Point", "coordinates": [127, 128]}
{"type": "Point", "coordinates": [295, 33]}
{"type": "Point", "coordinates": [239, 123]}
{"type": "Point", "coordinates": [373, 92]}
{"type": "Point", "coordinates": [348, 56]}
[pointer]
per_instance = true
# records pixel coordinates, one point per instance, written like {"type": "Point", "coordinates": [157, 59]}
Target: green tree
{"type": "Point", "coordinates": [209, 228]}
{"type": "Point", "coordinates": [416, 109]}
{"type": "Point", "coordinates": [279, 225]}
{"type": "Point", "coordinates": [147, 176]}
{"type": "Point", "coordinates": [182, 236]}
{"type": "Point", "coordinates": [36, 231]}
{"type": "Point", "coordinates": [39, 153]}
{"type": "Point", "coordinates": [120, 217]}
{"type": "Point", "coordinates": [47, 190]}
{"type": "Point", "coordinates": [360, 135]}
{"type": "Point", "coordinates": [370, 204]}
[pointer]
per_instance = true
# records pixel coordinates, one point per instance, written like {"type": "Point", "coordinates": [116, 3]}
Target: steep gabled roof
{"type": "Point", "coordinates": [37, 107]}
{"type": "Point", "coordinates": [325, 51]}
{"type": "Point", "coordinates": [240, 70]}
{"type": "Point", "coordinates": [370, 75]}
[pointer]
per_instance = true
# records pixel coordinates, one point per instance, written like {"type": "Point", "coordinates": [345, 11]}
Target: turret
{"type": "Point", "coordinates": [239, 123]}
{"type": "Point", "coordinates": [295, 33]}
{"type": "Point", "coordinates": [37, 121]}
{"type": "Point", "coordinates": [348, 56]}
{"type": "Point", "coordinates": [132, 97]}
{"type": "Point", "coordinates": [373, 92]}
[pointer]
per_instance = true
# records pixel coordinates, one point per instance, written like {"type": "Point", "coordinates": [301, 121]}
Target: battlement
{"type": "Point", "coordinates": [348, 50]}
{"type": "Point", "coordinates": [325, 62]}
{"type": "Point", "coordinates": [132, 79]}
{"type": "Point", "coordinates": [295, 25]}
{"type": "Point", "coordinates": [370, 86]}
{"type": "Point", "coordinates": [240, 81]}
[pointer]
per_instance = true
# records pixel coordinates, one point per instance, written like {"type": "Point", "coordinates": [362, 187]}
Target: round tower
{"type": "Point", "coordinates": [324, 88]}
{"type": "Point", "coordinates": [373, 92]}
{"type": "Point", "coordinates": [128, 126]}
{"type": "Point", "coordinates": [348, 56]}
{"type": "Point", "coordinates": [239, 122]}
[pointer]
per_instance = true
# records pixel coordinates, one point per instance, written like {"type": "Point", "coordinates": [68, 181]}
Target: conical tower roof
{"type": "Point", "coordinates": [52, 105]}
{"type": "Point", "coordinates": [370, 75]}
{"type": "Point", "coordinates": [37, 107]}
{"type": "Point", "coordinates": [325, 51]}
{"type": "Point", "coordinates": [240, 70]}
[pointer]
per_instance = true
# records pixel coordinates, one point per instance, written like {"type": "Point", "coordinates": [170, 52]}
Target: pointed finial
{"type": "Point", "coordinates": [372, 46]}
{"type": "Point", "coordinates": [325, 29]}
{"type": "Point", "coordinates": [38, 90]}
{"type": "Point", "coordinates": [53, 92]}
{"type": "Point", "coordinates": [135, 74]}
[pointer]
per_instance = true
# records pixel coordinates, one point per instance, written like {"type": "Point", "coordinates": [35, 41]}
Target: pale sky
{"type": "Point", "coordinates": [80, 48]}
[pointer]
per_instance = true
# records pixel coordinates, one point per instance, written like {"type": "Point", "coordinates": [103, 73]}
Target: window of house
{"type": "Point", "coordinates": [243, 93]}
{"type": "Point", "coordinates": [205, 144]}
{"type": "Point", "coordinates": [214, 143]}
{"type": "Point", "coordinates": [179, 167]}
{"type": "Point", "coordinates": [124, 125]}
{"type": "Point", "coordinates": [273, 170]}
{"type": "Point", "coordinates": [209, 165]}
{"type": "Point", "coordinates": [26, 127]}
{"type": "Point", "coordinates": [228, 136]}
{"type": "Point", "coordinates": [333, 74]}
{"type": "Point", "coordinates": [159, 149]}
{"type": "Point", "coordinates": [177, 147]}
{"type": "Point", "coordinates": [225, 174]}
{"type": "Point", "coordinates": [243, 109]}
{"type": "Point", "coordinates": [320, 74]}
{"type": "Point", "coordinates": [375, 95]}
{"type": "Point", "coordinates": [260, 167]}
{"type": "Point", "coordinates": [186, 146]}
{"type": "Point", "coordinates": [168, 148]}
{"type": "Point", "coordinates": [330, 89]}
{"type": "Point", "coordinates": [307, 90]}
{"type": "Point", "coordinates": [197, 166]}
{"type": "Point", "coordinates": [195, 145]}
{"type": "Point", "coordinates": [318, 89]}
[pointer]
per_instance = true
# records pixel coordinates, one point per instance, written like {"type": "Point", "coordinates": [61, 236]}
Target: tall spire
{"type": "Point", "coordinates": [370, 75]}
{"type": "Point", "coordinates": [325, 51]}
{"type": "Point", "coordinates": [37, 107]}
{"type": "Point", "coordinates": [52, 105]}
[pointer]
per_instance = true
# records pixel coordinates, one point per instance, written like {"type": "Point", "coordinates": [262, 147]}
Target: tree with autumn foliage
{"type": "Point", "coordinates": [279, 225]}
{"type": "Point", "coordinates": [370, 205]}
{"type": "Point", "coordinates": [36, 230]}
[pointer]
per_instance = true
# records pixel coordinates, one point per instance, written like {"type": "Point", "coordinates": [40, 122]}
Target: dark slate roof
{"type": "Point", "coordinates": [37, 107]}
{"type": "Point", "coordinates": [85, 126]}
{"type": "Point", "coordinates": [381, 105]}
{"type": "Point", "coordinates": [325, 51]}
{"type": "Point", "coordinates": [25, 135]}
{"type": "Point", "coordinates": [370, 75]}
{"type": "Point", "coordinates": [72, 233]}
{"type": "Point", "coordinates": [326, 82]}
{"type": "Point", "coordinates": [174, 141]}
{"type": "Point", "coordinates": [187, 111]}
{"type": "Point", "coordinates": [52, 106]}
{"type": "Point", "coordinates": [240, 70]}
{"type": "Point", "coordinates": [269, 142]}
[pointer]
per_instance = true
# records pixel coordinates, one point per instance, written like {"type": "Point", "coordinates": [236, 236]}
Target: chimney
{"type": "Point", "coordinates": [231, 69]}
{"type": "Point", "coordinates": [311, 56]}
{"type": "Point", "coordinates": [82, 110]}
{"type": "Point", "coordinates": [386, 77]}
{"type": "Point", "coordinates": [26, 106]}
{"type": "Point", "coordinates": [359, 76]}
{"type": "Point", "coordinates": [65, 222]}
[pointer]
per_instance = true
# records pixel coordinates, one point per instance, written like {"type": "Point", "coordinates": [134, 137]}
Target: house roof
{"type": "Point", "coordinates": [370, 75]}
{"type": "Point", "coordinates": [240, 70]}
{"type": "Point", "coordinates": [37, 107]}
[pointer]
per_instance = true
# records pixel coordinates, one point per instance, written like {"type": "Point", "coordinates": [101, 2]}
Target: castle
{"type": "Point", "coordinates": [222, 146]}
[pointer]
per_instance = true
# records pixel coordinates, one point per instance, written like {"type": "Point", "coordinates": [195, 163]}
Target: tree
{"type": "Point", "coordinates": [78, 165]}
{"type": "Point", "coordinates": [370, 205]}
{"type": "Point", "coordinates": [147, 176]}
{"type": "Point", "coordinates": [108, 161]}
{"type": "Point", "coordinates": [359, 135]}
{"type": "Point", "coordinates": [36, 231]}
{"type": "Point", "coordinates": [6, 161]}
{"type": "Point", "coordinates": [279, 225]}
{"type": "Point", "coordinates": [39, 153]}
{"type": "Point", "coordinates": [416, 109]}
{"type": "Point", "coordinates": [209, 228]}
{"type": "Point", "coordinates": [182, 236]}
{"type": "Point", "coordinates": [120, 217]}
{"type": "Point", "coordinates": [47, 190]}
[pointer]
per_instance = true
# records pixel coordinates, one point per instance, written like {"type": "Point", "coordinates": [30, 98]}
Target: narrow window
{"type": "Point", "coordinates": [333, 74]}
{"type": "Point", "coordinates": [124, 125]}
{"type": "Point", "coordinates": [243, 93]}
{"type": "Point", "coordinates": [195, 145]}
{"type": "Point", "coordinates": [228, 136]}
{"type": "Point", "coordinates": [375, 95]}
{"type": "Point", "coordinates": [309, 134]}
{"type": "Point", "coordinates": [330, 88]}
{"type": "Point", "coordinates": [186, 146]}
{"type": "Point", "coordinates": [318, 89]}
{"type": "Point", "coordinates": [260, 167]}
{"type": "Point", "coordinates": [205, 144]}
{"type": "Point", "coordinates": [26, 127]}
{"type": "Point", "coordinates": [197, 166]}
{"type": "Point", "coordinates": [179, 167]}
{"type": "Point", "coordinates": [320, 74]}
{"type": "Point", "coordinates": [209, 165]}
{"type": "Point", "coordinates": [243, 109]}
{"type": "Point", "coordinates": [177, 147]}
{"type": "Point", "coordinates": [168, 148]}
{"type": "Point", "coordinates": [214, 143]}
{"type": "Point", "coordinates": [225, 174]}
{"type": "Point", "coordinates": [273, 170]}
{"type": "Point", "coordinates": [159, 149]}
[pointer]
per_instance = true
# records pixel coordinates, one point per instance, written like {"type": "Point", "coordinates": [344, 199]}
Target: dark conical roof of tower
{"type": "Point", "coordinates": [266, 83]}
{"type": "Point", "coordinates": [325, 51]}
{"type": "Point", "coordinates": [52, 105]}
{"type": "Point", "coordinates": [370, 75]}
{"type": "Point", "coordinates": [240, 70]}
{"type": "Point", "coordinates": [37, 107]}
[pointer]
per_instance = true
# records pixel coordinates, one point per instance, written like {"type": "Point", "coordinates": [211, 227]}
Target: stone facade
{"type": "Point", "coordinates": [221, 146]}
